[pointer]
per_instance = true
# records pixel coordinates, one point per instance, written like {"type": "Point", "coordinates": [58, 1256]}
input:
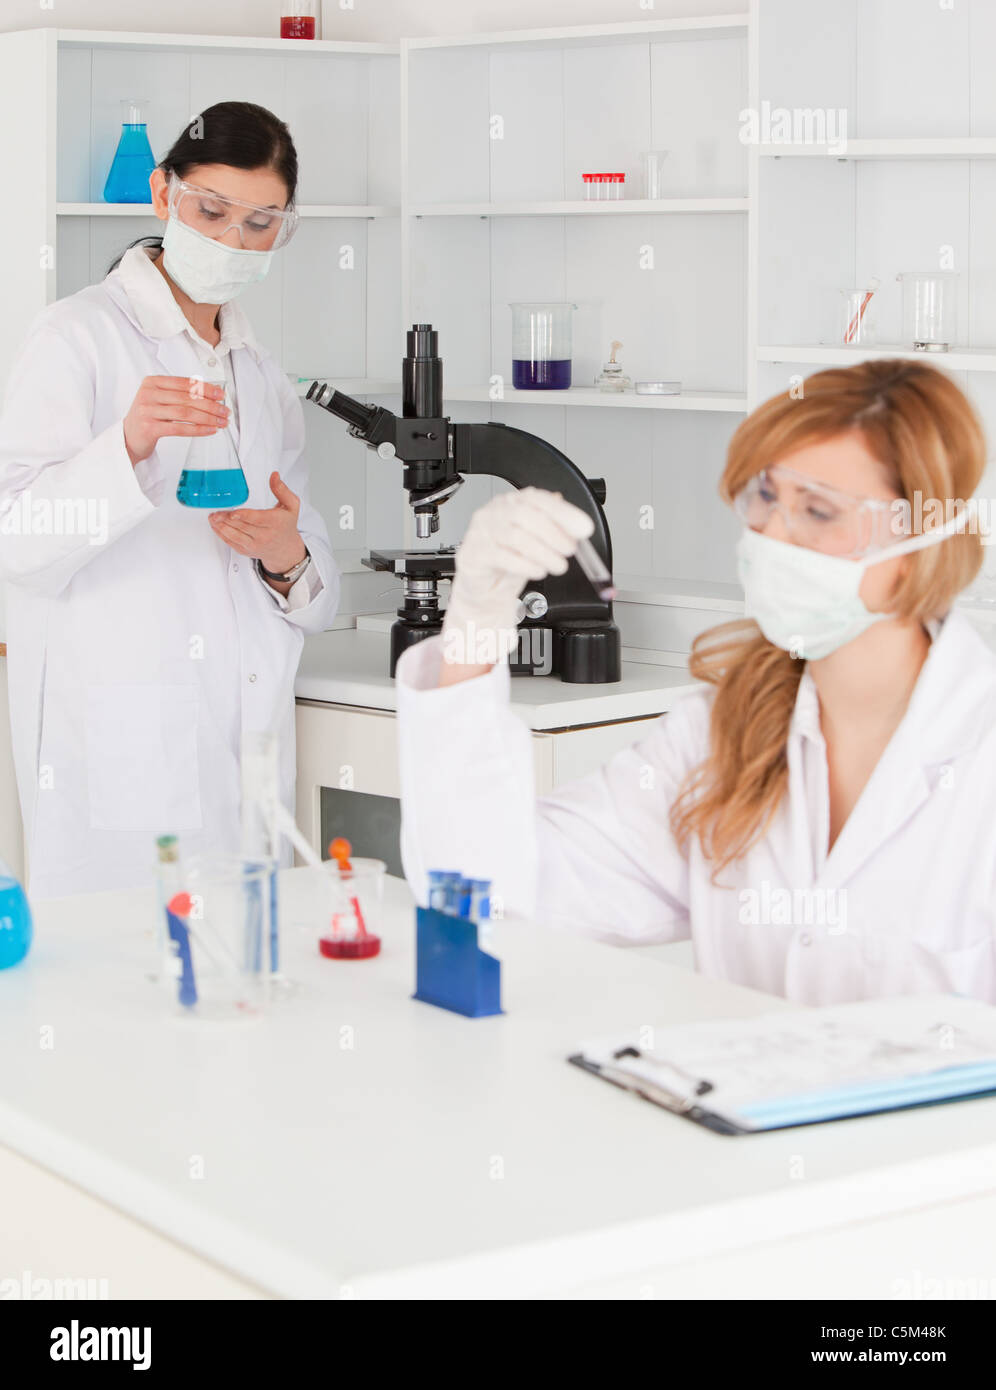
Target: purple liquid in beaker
{"type": "Point", "coordinates": [541, 375]}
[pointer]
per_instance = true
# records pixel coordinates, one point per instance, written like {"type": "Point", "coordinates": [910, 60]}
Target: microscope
{"type": "Point", "coordinates": [565, 627]}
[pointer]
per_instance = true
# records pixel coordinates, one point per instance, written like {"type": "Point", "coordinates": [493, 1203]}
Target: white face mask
{"type": "Point", "coordinates": [807, 602]}
{"type": "Point", "coordinates": [209, 271]}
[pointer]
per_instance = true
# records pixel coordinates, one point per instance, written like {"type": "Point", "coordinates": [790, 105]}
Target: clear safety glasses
{"type": "Point", "coordinates": [260, 229]}
{"type": "Point", "coordinates": [816, 515]}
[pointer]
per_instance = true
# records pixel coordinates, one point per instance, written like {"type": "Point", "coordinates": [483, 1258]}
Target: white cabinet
{"type": "Point", "coordinates": [349, 748]}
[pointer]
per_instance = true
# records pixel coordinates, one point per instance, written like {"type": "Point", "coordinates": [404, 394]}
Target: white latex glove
{"type": "Point", "coordinates": [524, 534]}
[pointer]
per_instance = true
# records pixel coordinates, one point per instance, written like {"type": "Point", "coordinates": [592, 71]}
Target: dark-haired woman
{"type": "Point", "coordinates": [146, 637]}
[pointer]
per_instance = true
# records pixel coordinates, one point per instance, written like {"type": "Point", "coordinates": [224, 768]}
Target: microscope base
{"type": "Point", "coordinates": [580, 655]}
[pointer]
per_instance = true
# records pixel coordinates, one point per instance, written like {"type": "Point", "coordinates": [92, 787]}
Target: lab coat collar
{"type": "Point", "coordinates": [157, 312]}
{"type": "Point", "coordinates": [958, 676]}
{"type": "Point", "coordinates": [951, 710]}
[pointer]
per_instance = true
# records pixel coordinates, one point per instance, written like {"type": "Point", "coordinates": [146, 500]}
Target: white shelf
{"type": "Point", "coordinates": [145, 210]}
{"type": "Point", "coordinates": [589, 396]}
{"type": "Point", "coordinates": [707, 27]}
{"type": "Point", "coordinates": [957, 360]}
{"type": "Point", "coordinates": [679, 593]}
{"type": "Point", "coordinates": [580, 207]}
{"type": "Point", "coordinates": [969, 147]}
{"type": "Point", "coordinates": [226, 43]}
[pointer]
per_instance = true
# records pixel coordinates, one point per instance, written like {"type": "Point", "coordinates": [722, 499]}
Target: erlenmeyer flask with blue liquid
{"type": "Point", "coordinates": [212, 478]}
{"type": "Point", "coordinates": [128, 180]}
{"type": "Point", "coordinates": [15, 919]}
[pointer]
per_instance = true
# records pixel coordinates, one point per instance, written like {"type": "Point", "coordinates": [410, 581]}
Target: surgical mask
{"type": "Point", "coordinates": [208, 270]}
{"type": "Point", "coordinates": [806, 601]}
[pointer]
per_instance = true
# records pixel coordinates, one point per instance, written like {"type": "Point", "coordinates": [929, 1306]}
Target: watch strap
{"type": "Point", "coordinates": [292, 575]}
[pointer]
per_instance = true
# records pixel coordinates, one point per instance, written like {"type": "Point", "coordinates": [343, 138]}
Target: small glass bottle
{"type": "Point", "coordinates": [611, 377]}
{"type": "Point", "coordinates": [128, 178]}
{"type": "Point", "coordinates": [297, 19]}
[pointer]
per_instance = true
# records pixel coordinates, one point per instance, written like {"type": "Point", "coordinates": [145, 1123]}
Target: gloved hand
{"type": "Point", "coordinates": [526, 533]}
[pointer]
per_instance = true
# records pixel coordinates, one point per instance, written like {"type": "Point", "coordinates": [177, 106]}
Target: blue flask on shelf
{"type": "Point", "coordinates": [128, 180]}
{"type": "Point", "coordinates": [15, 919]}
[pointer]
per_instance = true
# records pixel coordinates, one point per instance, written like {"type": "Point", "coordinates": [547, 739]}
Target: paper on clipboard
{"type": "Point", "coordinates": [776, 1065]}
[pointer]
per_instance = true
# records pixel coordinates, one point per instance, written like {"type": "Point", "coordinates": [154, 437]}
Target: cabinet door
{"type": "Point", "coordinates": [579, 751]}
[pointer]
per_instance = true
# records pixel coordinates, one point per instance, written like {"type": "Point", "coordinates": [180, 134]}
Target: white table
{"type": "Point", "coordinates": [438, 1156]}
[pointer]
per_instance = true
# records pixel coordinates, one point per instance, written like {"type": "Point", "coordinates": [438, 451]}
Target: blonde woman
{"type": "Point", "coordinates": [820, 816]}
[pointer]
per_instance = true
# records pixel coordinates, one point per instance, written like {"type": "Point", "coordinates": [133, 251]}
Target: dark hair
{"type": "Point", "coordinates": [239, 133]}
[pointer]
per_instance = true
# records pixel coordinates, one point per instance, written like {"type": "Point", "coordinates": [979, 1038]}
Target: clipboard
{"type": "Point", "coordinates": [808, 1066]}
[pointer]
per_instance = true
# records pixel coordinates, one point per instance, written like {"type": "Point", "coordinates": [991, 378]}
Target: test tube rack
{"type": "Point", "coordinates": [452, 971]}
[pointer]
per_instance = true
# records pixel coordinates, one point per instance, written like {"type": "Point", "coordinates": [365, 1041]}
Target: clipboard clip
{"type": "Point", "coordinates": [649, 1090]}
{"type": "Point", "coordinates": [701, 1087]}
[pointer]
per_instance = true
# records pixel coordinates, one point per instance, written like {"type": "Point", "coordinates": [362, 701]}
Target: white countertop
{"type": "Point", "coordinates": [436, 1156]}
{"type": "Point", "coordinates": [350, 667]}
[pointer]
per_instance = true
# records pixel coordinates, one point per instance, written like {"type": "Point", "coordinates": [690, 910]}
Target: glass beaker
{"type": "Point", "coordinates": [212, 476]}
{"type": "Point", "coordinates": [219, 927]}
{"type": "Point", "coordinates": [297, 19]}
{"type": "Point", "coordinates": [858, 318]}
{"type": "Point", "coordinates": [352, 929]}
{"type": "Point", "coordinates": [128, 179]}
{"type": "Point", "coordinates": [653, 173]}
{"type": "Point", "coordinates": [930, 309]}
{"type": "Point", "coordinates": [541, 345]}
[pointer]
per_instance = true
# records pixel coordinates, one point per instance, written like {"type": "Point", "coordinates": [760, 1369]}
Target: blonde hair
{"type": "Point", "coordinates": [922, 427]}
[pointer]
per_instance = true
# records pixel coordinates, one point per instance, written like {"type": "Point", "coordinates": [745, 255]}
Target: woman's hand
{"type": "Point", "coordinates": [172, 405]}
{"type": "Point", "coordinates": [269, 536]}
{"type": "Point", "coordinates": [524, 534]}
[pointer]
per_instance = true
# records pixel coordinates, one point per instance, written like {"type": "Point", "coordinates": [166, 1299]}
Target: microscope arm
{"type": "Point", "coordinates": [527, 461]}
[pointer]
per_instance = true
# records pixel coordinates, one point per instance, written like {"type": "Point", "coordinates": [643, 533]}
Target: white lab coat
{"type": "Point", "coordinates": [135, 666]}
{"type": "Point", "coordinates": [907, 895]}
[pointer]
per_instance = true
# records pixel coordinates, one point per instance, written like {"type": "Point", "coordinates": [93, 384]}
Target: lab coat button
{"type": "Point", "coordinates": [212, 361]}
{"type": "Point", "coordinates": [235, 569]}
{"type": "Point", "coordinates": [252, 678]}
{"type": "Point", "coordinates": [806, 939]}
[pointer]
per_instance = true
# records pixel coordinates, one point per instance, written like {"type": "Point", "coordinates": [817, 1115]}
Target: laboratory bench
{"type": "Point", "coordinates": [353, 1142]}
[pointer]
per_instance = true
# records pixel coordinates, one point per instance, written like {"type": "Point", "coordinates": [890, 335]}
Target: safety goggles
{"type": "Point", "coordinates": [260, 229]}
{"type": "Point", "coordinates": [816, 515]}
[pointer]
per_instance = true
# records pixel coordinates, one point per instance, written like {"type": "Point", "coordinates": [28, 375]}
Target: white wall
{"type": "Point", "coordinates": [366, 19]}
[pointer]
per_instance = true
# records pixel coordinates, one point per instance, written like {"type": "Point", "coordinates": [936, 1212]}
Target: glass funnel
{"type": "Point", "coordinates": [541, 345]}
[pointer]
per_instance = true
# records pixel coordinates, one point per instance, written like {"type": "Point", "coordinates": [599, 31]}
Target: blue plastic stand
{"type": "Point", "coordinates": [452, 971]}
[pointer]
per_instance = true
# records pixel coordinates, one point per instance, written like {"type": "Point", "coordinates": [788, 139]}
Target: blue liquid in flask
{"type": "Point", "coordinates": [541, 374]}
{"type": "Point", "coordinates": [15, 920]}
{"type": "Point", "coordinates": [216, 488]}
{"type": "Point", "coordinates": [128, 180]}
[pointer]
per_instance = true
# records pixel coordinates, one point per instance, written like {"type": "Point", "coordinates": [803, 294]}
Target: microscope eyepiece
{"type": "Point", "coordinates": [354, 412]}
{"type": "Point", "coordinates": [422, 341]}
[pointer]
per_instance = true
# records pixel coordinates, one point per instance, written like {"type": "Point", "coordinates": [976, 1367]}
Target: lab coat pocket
{"type": "Point", "coordinates": [142, 765]}
{"type": "Point", "coordinates": [968, 968]}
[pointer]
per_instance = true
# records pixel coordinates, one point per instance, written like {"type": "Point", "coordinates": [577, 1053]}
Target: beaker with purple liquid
{"type": "Point", "coordinates": [541, 345]}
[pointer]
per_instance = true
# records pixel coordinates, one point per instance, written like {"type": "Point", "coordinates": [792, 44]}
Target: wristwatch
{"type": "Point", "coordinates": [292, 574]}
